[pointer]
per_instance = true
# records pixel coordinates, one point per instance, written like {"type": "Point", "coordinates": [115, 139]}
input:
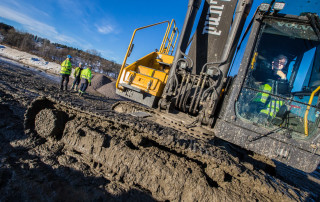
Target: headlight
{"type": "Point", "coordinates": [264, 7]}
{"type": "Point", "coordinates": [278, 6]}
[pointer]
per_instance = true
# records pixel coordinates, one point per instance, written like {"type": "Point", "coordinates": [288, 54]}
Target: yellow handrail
{"type": "Point", "coordinates": [254, 59]}
{"type": "Point", "coordinates": [175, 41]}
{"type": "Point", "coordinates": [306, 132]}
{"type": "Point", "coordinates": [128, 50]}
{"type": "Point", "coordinates": [165, 38]}
{"type": "Point", "coordinates": [170, 41]}
{"type": "Point", "coordinates": [174, 34]}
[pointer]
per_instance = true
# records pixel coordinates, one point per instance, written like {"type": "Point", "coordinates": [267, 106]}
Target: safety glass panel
{"type": "Point", "coordinates": [291, 117]}
{"type": "Point", "coordinates": [280, 89]}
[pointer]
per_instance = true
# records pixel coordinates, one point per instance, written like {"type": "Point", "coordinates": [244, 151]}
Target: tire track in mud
{"type": "Point", "coordinates": [135, 156]}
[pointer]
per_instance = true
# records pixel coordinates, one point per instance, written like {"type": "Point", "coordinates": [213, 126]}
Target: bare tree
{"type": "Point", "coordinates": [27, 43]}
{"type": "Point", "coordinates": [54, 51]}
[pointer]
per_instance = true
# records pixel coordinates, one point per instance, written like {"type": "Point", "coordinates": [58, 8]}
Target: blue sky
{"type": "Point", "coordinates": [103, 25]}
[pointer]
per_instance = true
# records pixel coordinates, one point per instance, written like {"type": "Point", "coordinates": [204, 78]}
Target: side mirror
{"type": "Point", "coordinates": [130, 50]}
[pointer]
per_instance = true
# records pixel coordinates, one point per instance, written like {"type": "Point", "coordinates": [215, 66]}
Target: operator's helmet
{"type": "Point", "coordinates": [69, 56]}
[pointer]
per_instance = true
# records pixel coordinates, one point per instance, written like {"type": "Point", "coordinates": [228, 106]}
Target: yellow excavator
{"type": "Point", "coordinates": [270, 107]}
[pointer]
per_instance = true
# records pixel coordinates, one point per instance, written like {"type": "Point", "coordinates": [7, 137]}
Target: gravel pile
{"type": "Point", "coordinates": [99, 80]}
{"type": "Point", "coordinates": [109, 90]}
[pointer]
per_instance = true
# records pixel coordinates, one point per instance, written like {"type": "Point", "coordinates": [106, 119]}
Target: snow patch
{"type": "Point", "coordinates": [30, 60]}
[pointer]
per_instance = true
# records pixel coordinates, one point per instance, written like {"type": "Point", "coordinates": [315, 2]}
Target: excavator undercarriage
{"type": "Point", "coordinates": [138, 152]}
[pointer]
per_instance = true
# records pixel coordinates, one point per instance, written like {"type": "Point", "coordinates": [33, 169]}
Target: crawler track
{"type": "Point", "coordinates": [161, 161]}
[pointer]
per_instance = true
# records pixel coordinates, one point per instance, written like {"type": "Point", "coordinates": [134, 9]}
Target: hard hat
{"type": "Point", "coordinates": [80, 63]}
{"type": "Point", "coordinates": [69, 56]}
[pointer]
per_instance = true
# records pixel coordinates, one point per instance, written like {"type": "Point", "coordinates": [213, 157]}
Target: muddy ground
{"type": "Point", "coordinates": [99, 155]}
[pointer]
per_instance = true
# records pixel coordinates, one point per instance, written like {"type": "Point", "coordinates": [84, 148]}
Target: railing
{"type": "Point", "coordinates": [167, 47]}
{"type": "Point", "coordinates": [306, 131]}
{"type": "Point", "coordinates": [163, 49]}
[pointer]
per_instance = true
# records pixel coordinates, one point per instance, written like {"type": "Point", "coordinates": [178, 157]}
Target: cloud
{"type": "Point", "coordinates": [73, 7]}
{"type": "Point", "coordinates": [110, 55]}
{"type": "Point", "coordinates": [35, 26]}
{"type": "Point", "coordinates": [104, 29]}
{"type": "Point", "coordinates": [25, 20]}
{"type": "Point", "coordinates": [13, 2]}
{"type": "Point", "coordinates": [64, 38]}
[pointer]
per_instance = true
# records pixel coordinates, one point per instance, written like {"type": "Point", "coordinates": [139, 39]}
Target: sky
{"type": "Point", "coordinates": [103, 25]}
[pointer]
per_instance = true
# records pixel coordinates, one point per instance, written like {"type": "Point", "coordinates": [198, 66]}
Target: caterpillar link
{"type": "Point", "coordinates": [193, 91]}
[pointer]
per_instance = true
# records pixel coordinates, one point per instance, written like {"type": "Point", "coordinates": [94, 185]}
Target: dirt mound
{"type": "Point", "coordinates": [109, 90]}
{"type": "Point", "coordinates": [99, 80]}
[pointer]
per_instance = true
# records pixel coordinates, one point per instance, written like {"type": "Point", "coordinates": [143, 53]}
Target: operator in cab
{"type": "Point", "coordinates": [279, 66]}
{"type": "Point", "coordinates": [263, 103]}
{"type": "Point", "coordinates": [274, 70]}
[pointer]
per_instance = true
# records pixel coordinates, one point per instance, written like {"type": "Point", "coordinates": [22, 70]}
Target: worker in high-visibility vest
{"type": "Point", "coordinates": [86, 75]}
{"type": "Point", "coordinates": [272, 108]}
{"type": "Point", "coordinates": [270, 105]}
{"type": "Point", "coordinates": [77, 78]}
{"type": "Point", "coordinates": [263, 97]}
{"type": "Point", "coordinates": [260, 100]}
{"type": "Point", "coordinates": [65, 72]}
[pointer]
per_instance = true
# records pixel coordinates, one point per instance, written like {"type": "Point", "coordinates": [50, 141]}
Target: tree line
{"type": "Point", "coordinates": [55, 52]}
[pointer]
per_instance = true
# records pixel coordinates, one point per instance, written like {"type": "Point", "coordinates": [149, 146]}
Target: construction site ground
{"type": "Point", "coordinates": [105, 156]}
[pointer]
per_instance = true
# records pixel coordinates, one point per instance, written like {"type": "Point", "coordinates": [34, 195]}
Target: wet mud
{"type": "Point", "coordinates": [59, 146]}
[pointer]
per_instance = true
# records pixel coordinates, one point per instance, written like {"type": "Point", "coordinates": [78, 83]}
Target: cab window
{"type": "Point", "coordinates": [279, 89]}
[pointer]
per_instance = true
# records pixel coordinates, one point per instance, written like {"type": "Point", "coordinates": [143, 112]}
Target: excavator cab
{"type": "Point", "coordinates": [274, 100]}
{"type": "Point", "coordinates": [271, 101]}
